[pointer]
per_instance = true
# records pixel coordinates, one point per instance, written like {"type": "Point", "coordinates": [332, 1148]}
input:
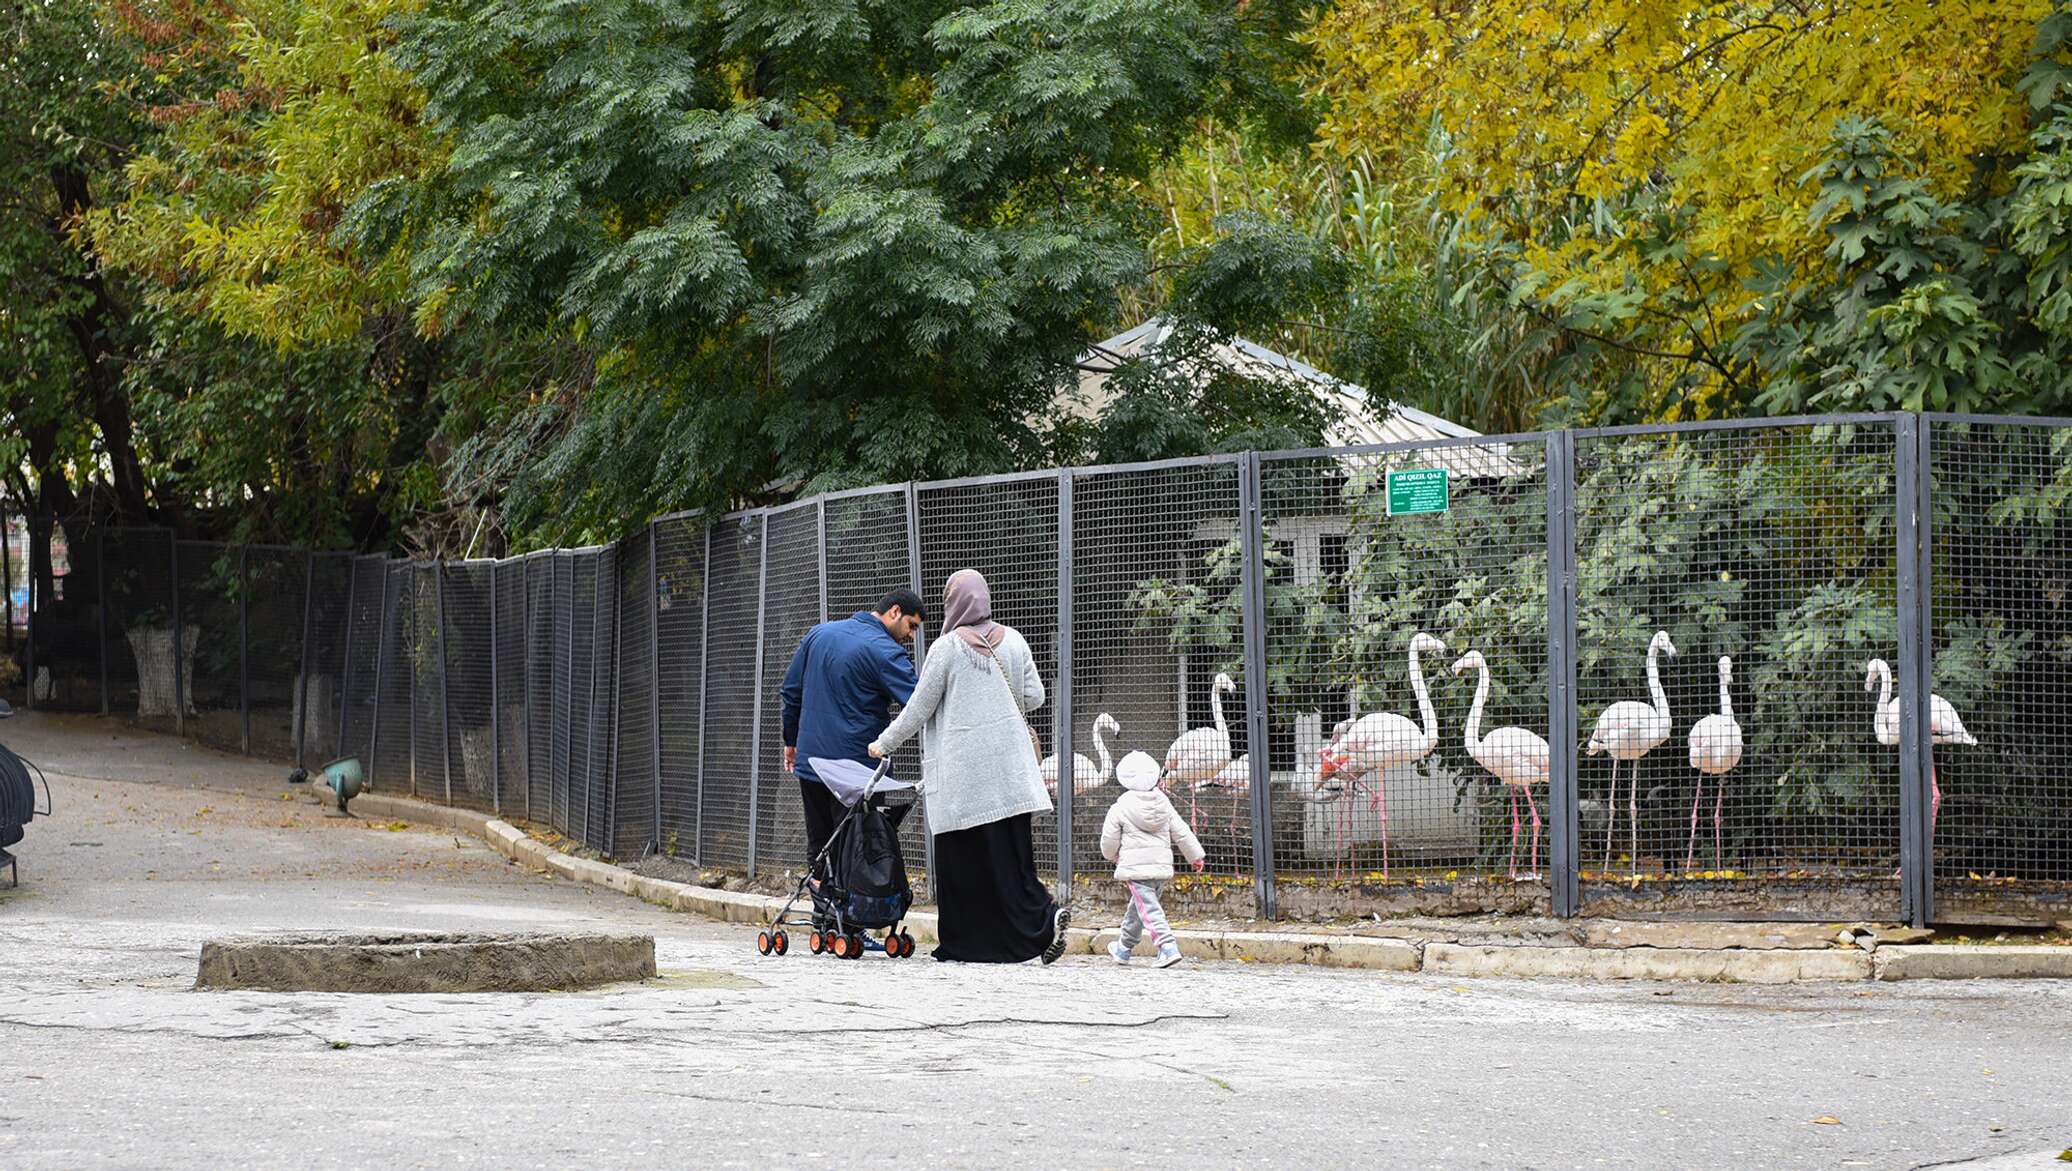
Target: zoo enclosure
{"type": "Point", "coordinates": [625, 695]}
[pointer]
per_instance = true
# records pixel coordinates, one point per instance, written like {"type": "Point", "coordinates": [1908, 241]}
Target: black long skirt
{"type": "Point", "coordinates": [992, 907]}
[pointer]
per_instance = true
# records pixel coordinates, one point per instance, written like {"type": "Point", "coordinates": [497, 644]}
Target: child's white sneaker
{"type": "Point", "coordinates": [1119, 953]}
{"type": "Point", "coordinates": [1167, 956]}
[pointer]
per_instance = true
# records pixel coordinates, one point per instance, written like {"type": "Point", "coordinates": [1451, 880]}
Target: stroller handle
{"type": "Point", "coordinates": [884, 766]}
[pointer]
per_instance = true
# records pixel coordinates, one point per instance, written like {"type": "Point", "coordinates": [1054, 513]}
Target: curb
{"type": "Point", "coordinates": [1631, 961]}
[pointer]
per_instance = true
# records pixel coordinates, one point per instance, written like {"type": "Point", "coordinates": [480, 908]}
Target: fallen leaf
{"type": "Point", "coordinates": [1827, 1120]}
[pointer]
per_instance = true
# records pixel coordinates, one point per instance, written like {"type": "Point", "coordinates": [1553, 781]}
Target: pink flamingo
{"type": "Point", "coordinates": [1378, 742]}
{"type": "Point", "coordinates": [1514, 756]}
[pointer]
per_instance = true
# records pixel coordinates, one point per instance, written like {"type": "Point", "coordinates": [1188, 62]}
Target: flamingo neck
{"type": "Point", "coordinates": [1101, 749]}
{"type": "Point", "coordinates": [1474, 732]}
{"type": "Point", "coordinates": [1424, 702]}
{"type": "Point", "coordinates": [1216, 706]}
{"type": "Point", "coordinates": [1884, 672]}
{"type": "Point", "coordinates": [1655, 683]}
{"type": "Point", "coordinates": [1726, 701]}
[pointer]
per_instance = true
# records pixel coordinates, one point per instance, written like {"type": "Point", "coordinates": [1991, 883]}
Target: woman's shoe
{"type": "Point", "coordinates": [1058, 924]}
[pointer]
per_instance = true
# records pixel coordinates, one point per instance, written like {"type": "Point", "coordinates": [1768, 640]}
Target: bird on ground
{"type": "Point", "coordinates": [1379, 742]}
{"type": "Point", "coordinates": [1629, 731]}
{"type": "Point", "coordinates": [1201, 753]}
{"type": "Point", "coordinates": [1715, 750]}
{"type": "Point", "coordinates": [1944, 727]}
{"type": "Point", "coordinates": [1515, 756]}
{"type": "Point", "coordinates": [1086, 776]}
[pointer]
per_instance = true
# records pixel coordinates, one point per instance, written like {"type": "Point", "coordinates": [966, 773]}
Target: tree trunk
{"type": "Point", "coordinates": [92, 327]}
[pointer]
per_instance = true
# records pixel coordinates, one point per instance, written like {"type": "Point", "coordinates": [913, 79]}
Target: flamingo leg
{"type": "Point", "coordinates": [1514, 833]}
{"type": "Point", "coordinates": [1934, 797]}
{"type": "Point", "coordinates": [1381, 804]}
{"type": "Point", "coordinates": [1611, 821]}
{"type": "Point", "coordinates": [1697, 798]}
{"type": "Point", "coordinates": [1719, 850]}
{"type": "Point", "coordinates": [1533, 859]}
{"type": "Point", "coordinates": [1633, 816]}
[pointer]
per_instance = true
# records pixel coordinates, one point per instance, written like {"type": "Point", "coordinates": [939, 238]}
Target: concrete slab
{"type": "Point", "coordinates": [1973, 962]}
{"type": "Point", "coordinates": [425, 962]}
{"type": "Point", "coordinates": [1734, 967]}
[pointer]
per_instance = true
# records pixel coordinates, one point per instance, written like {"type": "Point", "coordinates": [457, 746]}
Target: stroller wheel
{"type": "Point", "coordinates": [906, 946]}
{"type": "Point", "coordinates": [813, 941]}
{"type": "Point", "coordinates": [763, 943]}
{"type": "Point", "coordinates": [780, 943]}
{"type": "Point", "coordinates": [855, 951]}
{"type": "Point", "coordinates": [840, 947]}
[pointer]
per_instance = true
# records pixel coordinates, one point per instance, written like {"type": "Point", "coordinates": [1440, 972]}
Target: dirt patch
{"type": "Point", "coordinates": [425, 962]}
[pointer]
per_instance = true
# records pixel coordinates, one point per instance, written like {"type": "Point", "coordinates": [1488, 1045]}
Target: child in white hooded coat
{"type": "Point", "coordinates": [1139, 836]}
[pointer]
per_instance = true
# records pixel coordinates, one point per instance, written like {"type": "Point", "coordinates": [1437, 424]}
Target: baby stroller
{"type": "Point", "coordinates": [861, 875]}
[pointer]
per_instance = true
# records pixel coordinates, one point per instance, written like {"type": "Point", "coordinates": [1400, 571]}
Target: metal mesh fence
{"type": "Point", "coordinates": [2002, 677]}
{"type": "Point", "coordinates": [1732, 587]}
{"type": "Point", "coordinates": [543, 731]}
{"type": "Point", "coordinates": [791, 607]}
{"type": "Point", "coordinates": [1007, 529]}
{"type": "Point", "coordinates": [633, 777]}
{"type": "Point", "coordinates": [869, 554]}
{"type": "Point", "coordinates": [513, 743]}
{"type": "Point", "coordinates": [1156, 621]}
{"type": "Point", "coordinates": [54, 638]}
{"type": "Point", "coordinates": [733, 632]}
{"type": "Point", "coordinates": [468, 658]}
{"type": "Point", "coordinates": [1406, 647]}
{"type": "Point", "coordinates": [1356, 660]}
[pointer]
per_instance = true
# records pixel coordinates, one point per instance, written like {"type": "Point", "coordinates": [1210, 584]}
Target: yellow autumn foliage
{"type": "Point", "coordinates": [1569, 120]}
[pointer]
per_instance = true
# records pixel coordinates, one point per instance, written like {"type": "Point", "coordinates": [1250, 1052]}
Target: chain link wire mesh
{"type": "Point", "coordinates": [465, 650]}
{"type": "Point", "coordinates": [680, 589]}
{"type": "Point", "coordinates": [791, 607]}
{"type": "Point", "coordinates": [508, 595]}
{"type": "Point", "coordinates": [633, 778]}
{"type": "Point", "coordinates": [1773, 549]}
{"type": "Point", "coordinates": [1156, 620]}
{"type": "Point", "coordinates": [732, 639]}
{"type": "Point", "coordinates": [2002, 668]}
{"type": "Point", "coordinates": [1007, 529]}
{"type": "Point", "coordinates": [544, 732]}
{"type": "Point", "coordinates": [64, 622]}
{"type": "Point", "coordinates": [1381, 797]}
{"type": "Point", "coordinates": [869, 554]}
{"type": "Point", "coordinates": [627, 696]}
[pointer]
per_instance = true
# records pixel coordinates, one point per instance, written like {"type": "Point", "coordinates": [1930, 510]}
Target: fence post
{"type": "Point", "coordinates": [179, 637]}
{"type": "Point", "coordinates": [7, 572]}
{"type": "Point", "coordinates": [496, 705]}
{"type": "Point", "coordinates": [381, 637]}
{"type": "Point", "coordinates": [1564, 857]}
{"type": "Point", "coordinates": [1916, 651]}
{"type": "Point", "coordinates": [755, 732]}
{"type": "Point", "coordinates": [1062, 714]}
{"type": "Point", "coordinates": [1258, 686]}
{"type": "Point", "coordinates": [654, 608]}
{"type": "Point", "coordinates": [345, 653]}
{"type": "Point", "coordinates": [609, 841]}
{"type": "Point", "coordinates": [101, 608]}
{"type": "Point", "coordinates": [563, 558]}
{"type": "Point", "coordinates": [525, 664]}
{"type": "Point", "coordinates": [445, 691]}
{"type": "Point", "coordinates": [913, 525]}
{"type": "Point", "coordinates": [29, 673]}
{"type": "Point", "coordinates": [704, 660]}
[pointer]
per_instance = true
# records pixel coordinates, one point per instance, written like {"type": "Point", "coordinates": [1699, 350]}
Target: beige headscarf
{"type": "Point", "coordinates": [967, 605]}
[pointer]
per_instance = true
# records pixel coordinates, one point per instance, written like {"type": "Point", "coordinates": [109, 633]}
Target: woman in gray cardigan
{"type": "Point", "coordinates": [980, 781]}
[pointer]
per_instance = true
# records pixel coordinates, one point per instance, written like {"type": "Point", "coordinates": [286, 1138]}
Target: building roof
{"type": "Point", "coordinates": [1358, 419]}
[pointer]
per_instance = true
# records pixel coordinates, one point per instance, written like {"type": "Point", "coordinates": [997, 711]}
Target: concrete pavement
{"type": "Point", "coordinates": [109, 1059]}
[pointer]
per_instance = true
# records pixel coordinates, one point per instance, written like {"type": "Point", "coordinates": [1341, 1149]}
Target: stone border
{"type": "Point", "coordinates": [423, 962]}
{"type": "Point", "coordinates": [1738, 965]}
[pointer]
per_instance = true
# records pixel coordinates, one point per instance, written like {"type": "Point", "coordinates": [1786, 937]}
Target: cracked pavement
{"type": "Point", "coordinates": [734, 1060]}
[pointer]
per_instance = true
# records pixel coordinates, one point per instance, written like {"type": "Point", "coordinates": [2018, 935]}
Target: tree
{"type": "Point", "coordinates": [1649, 172]}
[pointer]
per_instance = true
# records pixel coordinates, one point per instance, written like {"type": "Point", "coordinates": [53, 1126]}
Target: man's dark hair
{"type": "Point", "coordinates": [908, 602]}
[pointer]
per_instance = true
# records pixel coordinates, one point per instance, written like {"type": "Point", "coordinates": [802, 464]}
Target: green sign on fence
{"type": "Point", "coordinates": [1416, 491]}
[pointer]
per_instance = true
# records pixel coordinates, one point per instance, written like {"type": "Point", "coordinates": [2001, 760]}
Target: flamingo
{"type": "Point", "coordinates": [1235, 780]}
{"type": "Point", "coordinates": [1333, 787]}
{"type": "Point", "coordinates": [1201, 753]}
{"type": "Point", "coordinates": [1383, 740]}
{"type": "Point", "coordinates": [1085, 777]}
{"type": "Point", "coordinates": [1715, 750]}
{"type": "Point", "coordinates": [1518, 758]}
{"type": "Point", "coordinates": [1629, 731]}
{"type": "Point", "coordinates": [1944, 727]}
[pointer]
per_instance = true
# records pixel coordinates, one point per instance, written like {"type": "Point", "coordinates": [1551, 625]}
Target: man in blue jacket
{"type": "Point", "coordinates": [838, 695]}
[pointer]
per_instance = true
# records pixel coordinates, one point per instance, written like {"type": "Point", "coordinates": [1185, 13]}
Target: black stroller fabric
{"type": "Point", "coordinates": [870, 875]}
{"type": "Point", "coordinates": [17, 797]}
